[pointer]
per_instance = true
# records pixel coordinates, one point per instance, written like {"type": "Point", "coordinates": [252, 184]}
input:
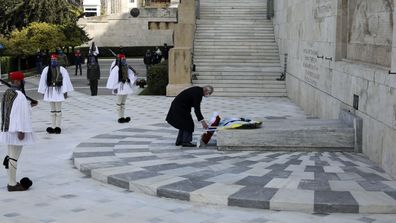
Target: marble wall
{"type": "Point", "coordinates": [153, 27]}
{"type": "Point", "coordinates": [339, 50]}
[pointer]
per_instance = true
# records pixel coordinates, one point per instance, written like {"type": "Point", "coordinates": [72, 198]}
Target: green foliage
{"type": "Point", "coordinates": [74, 35]}
{"type": "Point", "coordinates": [157, 78]}
{"type": "Point", "coordinates": [16, 14]}
{"type": "Point", "coordinates": [35, 36]}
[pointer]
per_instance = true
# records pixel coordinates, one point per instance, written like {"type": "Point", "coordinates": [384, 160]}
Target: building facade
{"type": "Point", "coordinates": [342, 55]}
{"type": "Point", "coordinates": [113, 24]}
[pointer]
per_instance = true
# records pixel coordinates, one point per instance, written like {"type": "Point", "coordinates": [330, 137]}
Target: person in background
{"type": "Point", "coordinates": [16, 129]}
{"type": "Point", "coordinates": [179, 115]}
{"type": "Point", "coordinates": [94, 50]}
{"type": "Point", "coordinates": [147, 59]}
{"type": "Point", "coordinates": [39, 61]}
{"type": "Point", "coordinates": [165, 51]}
{"type": "Point", "coordinates": [93, 73]}
{"type": "Point", "coordinates": [62, 58]}
{"type": "Point", "coordinates": [78, 60]}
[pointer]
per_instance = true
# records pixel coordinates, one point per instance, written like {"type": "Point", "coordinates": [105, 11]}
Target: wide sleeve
{"type": "Point", "coordinates": [67, 85]}
{"type": "Point", "coordinates": [113, 79]}
{"type": "Point", "coordinates": [132, 76]}
{"type": "Point", "coordinates": [21, 115]}
{"type": "Point", "coordinates": [43, 81]}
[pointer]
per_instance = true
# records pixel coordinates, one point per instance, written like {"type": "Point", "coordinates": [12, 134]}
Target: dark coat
{"type": "Point", "coordinates": [179, 115]}
{"type": "Point", "coordinates": [93, 69]}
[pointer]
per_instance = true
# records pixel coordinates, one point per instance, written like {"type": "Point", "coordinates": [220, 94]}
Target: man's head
{"type": "Point", "coordinates": [121, 57]}
{"type": "Point", "coordinates": [17, 78]}
{"type": "Point", "coordinates": [54, 60]}
{"type": "Point", "coordinates": [208, 90]}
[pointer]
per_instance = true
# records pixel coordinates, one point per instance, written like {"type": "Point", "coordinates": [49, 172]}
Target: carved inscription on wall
{"type": "Point", "coordinates": [310, 66]}
{"type": "Point", "coordinates": [370, 31]}
{"type": "Point", "coordinates": [324, 8]}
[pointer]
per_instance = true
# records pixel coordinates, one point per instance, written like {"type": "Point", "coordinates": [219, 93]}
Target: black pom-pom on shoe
{"type": "Point", "coordinates": [26, 183]}
{"type": "Point", "coordinates": [57, 130]}
{"type": "Point", "coordinates": [50, 130]}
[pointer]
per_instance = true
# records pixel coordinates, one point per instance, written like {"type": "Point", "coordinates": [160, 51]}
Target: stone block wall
{"type": "Point", "coordinates": [340, 51]}
{"type": "Point", "coordinates": [153, 27]}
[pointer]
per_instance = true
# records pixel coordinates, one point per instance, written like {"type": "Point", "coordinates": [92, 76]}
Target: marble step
{"type": "Point", "coordinates": [237, 64]}
{"type": "Point", "coordinates": [218, 93]}
{"type": "Point", "coordinates": [206, 33]}
{"type": "Point", "coordinates": [200, 60]}
{"type": "Point", "coordinates": [290, 135]}
{"type": "Point", "coordinates": [234, 57]}
{"type": "Point", "coordinates": [240, 69]}
{"type": "Point", "coordinates": [232, 22]}
{"type": "Point", "coordinates": [235, 76]}
{"type": "Point", "coordinates": [239, 85]}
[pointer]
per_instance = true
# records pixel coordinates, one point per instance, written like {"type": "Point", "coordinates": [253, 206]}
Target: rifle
{"type": "Point", "coordinates": [29, 98]}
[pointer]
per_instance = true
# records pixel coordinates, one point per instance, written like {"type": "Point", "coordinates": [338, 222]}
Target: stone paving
{"type": "Point", "coordinates": [61, 193]}
{"type": "Point", "coordinates": [144, 159]}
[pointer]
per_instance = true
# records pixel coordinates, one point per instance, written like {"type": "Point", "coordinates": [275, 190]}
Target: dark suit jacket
{"type": "Point", "coordinates": [179, 115]}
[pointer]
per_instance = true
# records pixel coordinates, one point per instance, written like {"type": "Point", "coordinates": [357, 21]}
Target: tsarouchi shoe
{"type": "Point", "coordinates": [127, 119]}
{"type": "Point", "coordinates": [57, 130]}
{"type": "Point", "coordinates": [50, 130]}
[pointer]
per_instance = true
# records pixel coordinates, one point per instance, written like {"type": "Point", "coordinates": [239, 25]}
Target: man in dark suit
{"type": "Point", "coordinates": [179, 115]}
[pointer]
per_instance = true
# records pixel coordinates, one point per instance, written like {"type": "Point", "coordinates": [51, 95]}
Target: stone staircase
{"type": "Point", "coordinates": [235, 49]}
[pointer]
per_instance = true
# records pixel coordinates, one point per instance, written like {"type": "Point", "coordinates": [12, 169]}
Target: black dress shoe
{"type": "Point", "coordinates": [127, 119]}
{"type": "Point", "coordinates": [188, 144]}
{"type": "Point", "coordinates": [17, 187]}
{"type": "Point", "coordinates": [121, 120]}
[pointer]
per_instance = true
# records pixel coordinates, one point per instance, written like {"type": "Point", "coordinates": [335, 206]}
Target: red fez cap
{"type": "Point", "coordinates": [121, 56]}
{"type": "Point", "coordinates": [54, 56]}
{"type": "Point", "coordinates": [17, 75]}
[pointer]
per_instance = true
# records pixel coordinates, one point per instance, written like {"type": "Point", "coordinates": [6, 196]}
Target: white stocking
{"type": "Point", "coordinates": [13, 152]}
{"type": "Point", "coordinates": [58, 114]}
{"type": "Point", "coordinates": [53, 114]}
{"type": "Point", "coordinates": [121, 99]}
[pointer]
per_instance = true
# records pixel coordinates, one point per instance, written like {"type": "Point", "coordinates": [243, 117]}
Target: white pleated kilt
{"type": "Point", "coordinates": [11, 138]}
{"type": "Point", "coordinates": [53, 94]}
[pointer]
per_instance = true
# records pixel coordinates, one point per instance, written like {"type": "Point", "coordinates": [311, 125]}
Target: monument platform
{"type": "Point", "coordinates": [290, 135]}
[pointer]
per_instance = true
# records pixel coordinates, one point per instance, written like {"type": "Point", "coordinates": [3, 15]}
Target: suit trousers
{"type": "Point", "coordinates": [184, 137]}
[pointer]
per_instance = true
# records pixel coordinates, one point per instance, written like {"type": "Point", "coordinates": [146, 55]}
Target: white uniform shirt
{"type": "Point", "coordinates": [20, 121]}
{"type": "Point", "coordinates": [122, 88]}
{"type": "Point", "coordinates": [52, 94]}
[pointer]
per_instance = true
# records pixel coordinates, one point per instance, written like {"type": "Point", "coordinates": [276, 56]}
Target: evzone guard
{"type": "Point", "coordinates": [16, 128]}
{"type": "Point", "coordinates": [121, 81]}
{"type": "Point", "coordinates": [55, 84]}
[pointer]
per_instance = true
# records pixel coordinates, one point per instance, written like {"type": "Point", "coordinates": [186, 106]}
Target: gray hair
{"type": "Point", "coordinates": [209, 89]}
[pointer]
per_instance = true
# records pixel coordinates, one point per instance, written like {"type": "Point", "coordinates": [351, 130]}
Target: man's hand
{"type": "Point", "coordinates": [65, 95]}
{"type": "Point", "coordinates": [21, 135]}
{"type": "Point", "coordinates": [204, 124]}
{"type": "Point", "coordinates": [32, 104]}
